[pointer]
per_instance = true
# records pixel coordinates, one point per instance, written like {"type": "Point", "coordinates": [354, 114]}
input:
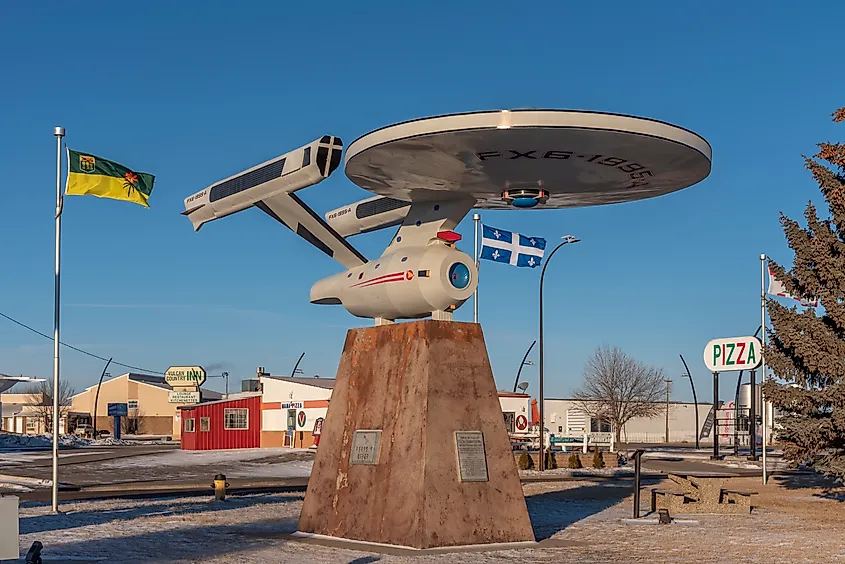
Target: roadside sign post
{"type": "Point", "coordinates": [715, 455]}
{"type": "Point", "coordinates": [752, 417]}
{"type": "Point", "coordinates": [726, 355]}
{"type": "Point", "coordinates": [118, 410]}
{"type": "Point", "coordinates": [185, 382]}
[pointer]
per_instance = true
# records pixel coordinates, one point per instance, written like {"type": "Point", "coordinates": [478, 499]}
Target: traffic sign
{"type": "Point", "coordinates": [521, 423]}
{"type": "Point", "coordinates": [734, 353]}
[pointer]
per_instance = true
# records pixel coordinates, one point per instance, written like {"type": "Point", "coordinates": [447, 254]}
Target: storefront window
{"type": "Point", "coordinates": [236, 418]}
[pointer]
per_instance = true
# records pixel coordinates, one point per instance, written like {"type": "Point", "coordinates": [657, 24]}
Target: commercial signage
{"type": "Point", "coordinates": [300, 420]}
{"type": "Point", "coordinates": [183, 397]}
{"type": "Point", "coordinates": [292, 405]}
{"type": "Point", "coordinates": [521, 423]}
{"type": "Point", "coordinates": [735, 353]}
{"type": "Point", "coordinates": [118, 410]}
{"type": "Point", "coordinates": [185, 376]}
{"type": "Point", "coordinates": [318, 426]}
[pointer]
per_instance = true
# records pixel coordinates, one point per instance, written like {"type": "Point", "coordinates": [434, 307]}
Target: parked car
{"type": "Point", "coordinates": [84, 430]}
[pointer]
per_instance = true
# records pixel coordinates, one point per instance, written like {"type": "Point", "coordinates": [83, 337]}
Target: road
{"type": "Point", "coordinates": [150, 470]}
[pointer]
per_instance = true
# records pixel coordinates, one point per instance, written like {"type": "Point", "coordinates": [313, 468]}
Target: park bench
{"type": "Point", "coordinates": [662, 498]}
{"type": "Point", "coordinates": [738, 497]}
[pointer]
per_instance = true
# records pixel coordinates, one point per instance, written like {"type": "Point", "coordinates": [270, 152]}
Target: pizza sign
{"type": "Point", "coordinates": [521, 423]}
{"type": "Point", "coordinates": [735, 353]}
{"type": "Point", "coordinates": [300, 419]}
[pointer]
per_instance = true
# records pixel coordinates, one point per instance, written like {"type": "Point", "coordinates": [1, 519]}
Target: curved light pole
{"type": "Point", "coordinates": [694, 400]}
{"type": "Point", "coordinates": [518, 372]}
{"type": "Point", "coordinates": [566, 239]}
{"type": "Point", "coordinates": [97, 396]}
{"type": "Point", "coordinates": [295, 366]}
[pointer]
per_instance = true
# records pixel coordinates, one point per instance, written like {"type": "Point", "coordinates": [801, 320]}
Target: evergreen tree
{"type": "Point", "coordinates": [807, 347]}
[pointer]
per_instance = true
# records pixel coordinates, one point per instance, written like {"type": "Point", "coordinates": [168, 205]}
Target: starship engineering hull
{"type": "Point", "coordinates": [427, 174]}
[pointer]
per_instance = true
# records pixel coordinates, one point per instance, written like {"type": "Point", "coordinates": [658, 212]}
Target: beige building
{"type": "Point", "coordinates": [19, 415]}
{"type": "Point", "coordinates": [150, 412]}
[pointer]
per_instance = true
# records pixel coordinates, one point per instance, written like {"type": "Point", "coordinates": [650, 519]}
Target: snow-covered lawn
{"type": "Point", "coordinates": [14, 441]}
{"type": "Point", "coordinates": [590, 521]}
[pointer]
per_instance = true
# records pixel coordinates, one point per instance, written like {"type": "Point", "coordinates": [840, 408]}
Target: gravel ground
{"type": "Point", "coordinates": [798, 521]}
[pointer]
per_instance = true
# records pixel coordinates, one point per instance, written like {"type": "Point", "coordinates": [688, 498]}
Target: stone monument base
{"type": "Point", "coordinates": [414, 451]}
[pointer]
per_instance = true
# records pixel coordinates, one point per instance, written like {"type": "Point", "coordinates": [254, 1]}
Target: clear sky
{"type": "Point", "coordinates": [194, 92]}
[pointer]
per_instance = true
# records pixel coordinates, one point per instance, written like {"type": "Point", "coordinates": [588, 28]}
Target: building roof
{"type": "Point", "coordinates": [157, 381]}
{"type": "Point", "coordinates": [509, 394]}
{"type": "Point", "coordinates": [325, 383]}
{"type": "Point", "coordinates": [241, 396]}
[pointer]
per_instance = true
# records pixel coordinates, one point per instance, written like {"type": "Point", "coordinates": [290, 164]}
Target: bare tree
{"type": "Point", "coordinates": [132, 423]}
{"type": "Point", "coordinates": [617, 388]}
{"type": "Point", "coordinates": [40, 398]}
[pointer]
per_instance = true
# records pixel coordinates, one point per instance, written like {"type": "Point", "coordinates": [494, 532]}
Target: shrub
{"type": "Point", "coordinates": [598, 459]}
{"type": "Point", "coordinates": [525, 462]}
{"type": "Point", "coordinates": [575, 461]}
{"type": "Point", "coordinates": [551, 460]}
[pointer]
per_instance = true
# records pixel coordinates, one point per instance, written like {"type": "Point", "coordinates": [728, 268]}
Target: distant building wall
{"type": "Point", "coordinates": [565, 417]}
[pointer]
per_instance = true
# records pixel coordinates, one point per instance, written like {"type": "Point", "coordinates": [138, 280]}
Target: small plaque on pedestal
{"type": "Point", "coordinates": [472, 458]}
{"type": "Point", "coordinates": [365, 447]}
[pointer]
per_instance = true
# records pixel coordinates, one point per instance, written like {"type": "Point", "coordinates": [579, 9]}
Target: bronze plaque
{"type": "Point", "coordinates": [472, 458]}
{"type": "Point", "coordinates": [365, 447]}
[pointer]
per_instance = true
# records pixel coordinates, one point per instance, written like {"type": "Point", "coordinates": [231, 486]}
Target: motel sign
{"type": "Point", "coordinates": [735, 353]}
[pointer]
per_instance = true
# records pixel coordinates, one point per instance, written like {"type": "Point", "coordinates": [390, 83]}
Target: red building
{"type": "Point", "coordinates": [223, 424]}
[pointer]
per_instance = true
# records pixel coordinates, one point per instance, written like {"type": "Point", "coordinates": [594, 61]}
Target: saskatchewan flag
{"type": "Point", "coordinates": [91, 175]}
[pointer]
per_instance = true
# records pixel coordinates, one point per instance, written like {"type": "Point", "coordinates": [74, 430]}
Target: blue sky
{"type": "Point", "coordinates": [193, 95]}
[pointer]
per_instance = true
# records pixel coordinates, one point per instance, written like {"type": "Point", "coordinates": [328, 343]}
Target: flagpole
{"type": "Point", "coordinates": [59, 133]}
{"type": "Point", "coordinates": [764, 409]}
{"type": "Point", "coordinates": [476, 217]}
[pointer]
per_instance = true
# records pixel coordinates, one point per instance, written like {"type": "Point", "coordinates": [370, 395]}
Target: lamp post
{"type": "Point", "coordinates": [97, 395]}
{"type": "Point", "coordinates": [668, 383]}
{"type": "Point", "coordinates": [524, 362]}
{"type": "Point", "coordinates": [566, 239]}
{"type": "Point", "coordinates": [694, 401]}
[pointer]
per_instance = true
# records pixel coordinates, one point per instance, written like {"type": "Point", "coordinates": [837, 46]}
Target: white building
{"type": "Point", "coordinates": [292, 403]}
{"type": "Point", "coordinates": [296, 404]}
{"type": "Point", "coordinates": [566, 417]}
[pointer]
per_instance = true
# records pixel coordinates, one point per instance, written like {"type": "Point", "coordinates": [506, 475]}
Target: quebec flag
{"type": "Point", "coordinates": [505, 246]}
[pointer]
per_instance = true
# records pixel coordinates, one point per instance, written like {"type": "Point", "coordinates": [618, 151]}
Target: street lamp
{"type": "Point", "coordinates": [668, 382]}
{"type": "Point", "coordinates": [97, 395]}
{"type": "Point", "coordinates": [694, 400]}
{"type": "Point", "coordinates": [524, 363]}
{"type": "Point", "coordinates": [566, 239]}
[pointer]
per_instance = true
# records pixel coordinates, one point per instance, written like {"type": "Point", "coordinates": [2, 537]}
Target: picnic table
{"type": "Point", "coordinates": [701, 492]}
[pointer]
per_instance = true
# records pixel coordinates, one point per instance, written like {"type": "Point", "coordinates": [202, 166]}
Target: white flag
{"type": "Point", "coordinates": [776, 288]}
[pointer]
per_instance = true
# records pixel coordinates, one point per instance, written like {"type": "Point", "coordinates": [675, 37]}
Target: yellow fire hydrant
{"type": "Point", "coordinates": [220, 484]}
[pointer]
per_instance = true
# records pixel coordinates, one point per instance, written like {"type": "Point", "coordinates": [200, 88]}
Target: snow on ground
{"type": "Point", "coordinates": [620, 471]}
{"type": "Point", "coordinates": [294, 469]}
{"type": "Point", "coordinates": [188, 458]}
{"type": "Point", "coordinates": [589, 520]}
{"type": "Point", "coordinates": [14, 441]}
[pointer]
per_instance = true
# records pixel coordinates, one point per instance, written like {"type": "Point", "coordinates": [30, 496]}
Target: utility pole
{"type": "Point", "coordinates": [668, 382]}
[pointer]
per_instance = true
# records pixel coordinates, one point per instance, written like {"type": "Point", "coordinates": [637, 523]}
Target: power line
{"type": "Point", "coordinates": [37, 332]}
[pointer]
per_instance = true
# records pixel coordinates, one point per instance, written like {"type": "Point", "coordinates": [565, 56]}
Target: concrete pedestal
{"type": "Point", "coordinates": [419, 383]}
{"type": "Point", "coordinates": [9, 524]}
